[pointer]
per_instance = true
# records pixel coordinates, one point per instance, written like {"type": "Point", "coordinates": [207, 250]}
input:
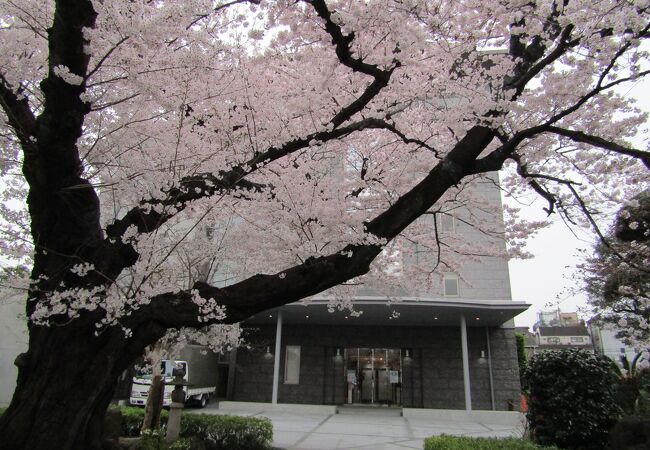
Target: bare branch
{"type": "Point", "coordinates": [113, 103]}
{"type": "Point", "coordinates": [105, 57]}
{"type": "Point", "coordinates": [344, 54]}
{"type": "Point", "coordinates": [200, 17]}
{"type": "Point", "coordinates": [199, 186]}
{"type": "Point", "coordinates": [17, 109]}
{"type": "Point", "coordinates": [579, 136]}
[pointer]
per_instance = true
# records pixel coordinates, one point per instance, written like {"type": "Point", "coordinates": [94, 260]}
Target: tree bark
{"type": "Point", "coordinates": [154, 404]}
{"type": "Point", "coordinates": [65, 383]}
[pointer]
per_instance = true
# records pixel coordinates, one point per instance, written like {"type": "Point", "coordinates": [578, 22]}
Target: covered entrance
{"type": "Point", "coordinates": [373, 376]}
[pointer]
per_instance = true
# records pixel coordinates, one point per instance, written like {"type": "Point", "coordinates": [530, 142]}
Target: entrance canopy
{"type": "Point", "coordinates": [403, 312]}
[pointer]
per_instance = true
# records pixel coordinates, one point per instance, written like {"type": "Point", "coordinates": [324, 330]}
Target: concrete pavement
{"type": "Point", "coordinates": [321, 427]}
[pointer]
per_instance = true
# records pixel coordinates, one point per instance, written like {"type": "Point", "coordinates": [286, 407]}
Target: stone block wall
{"type": "Point", "coordinates": [432, 377]}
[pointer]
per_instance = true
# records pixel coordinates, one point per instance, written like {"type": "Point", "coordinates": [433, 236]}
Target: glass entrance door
{"type": "Point", "coordinates": [373, 375]}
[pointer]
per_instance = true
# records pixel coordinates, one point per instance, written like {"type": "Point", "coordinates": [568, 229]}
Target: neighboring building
{"type": "Point", "coordinates": [561, 338]}
{"type": "Point", "coordinates": [13, 341]}
{"type": "Point", "coordinates": [452, 349]}
{"type": "Point", "coordinates": [606, 343]}
{"type": "Point", "coordinates": [557, 318]}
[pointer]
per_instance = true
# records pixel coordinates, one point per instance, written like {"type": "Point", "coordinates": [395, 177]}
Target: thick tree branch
{"type": "Point", "coordinates": [262, 292]}
{"type": "Point", "coordinates": [342, 43]}
{"type": "Point", "coordinates": [200, 186]}
{"type": "Point", "coordinates": [534, 65]}
{"type": "Point", "coordinates": [579, 136]}
{"type": "Point", "coordinates": [18, 113]}
{"type": "Point", "coordinates": [60, 124]}
{"type": "Point", "coordinates": [147, 220]}
{"type": "Point", "coordinates": [63, 207]}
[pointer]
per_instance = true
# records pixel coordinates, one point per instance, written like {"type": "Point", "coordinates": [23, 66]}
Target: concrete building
{"type": "Point", "coordinates": [13, 341]}
{"type": "Point", "coordinates": [606, 343]}
{"type": "Point", "coordinates": [556, 318]}
{"type": "Point", "coordinates": [452, 349]}
{"type": "Point", "coordinates": [563, 338]}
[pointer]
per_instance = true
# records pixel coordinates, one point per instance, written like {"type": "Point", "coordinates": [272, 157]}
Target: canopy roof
{"type": "Point", "coordinates": [406, 311]}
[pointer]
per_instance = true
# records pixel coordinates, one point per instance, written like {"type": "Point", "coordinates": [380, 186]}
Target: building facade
{"type": "Point", "coordinates": [450, 349]}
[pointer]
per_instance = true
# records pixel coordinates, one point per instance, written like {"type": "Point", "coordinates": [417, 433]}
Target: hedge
{"type": "Point", "coordinates": [444, 442]}
{"type": "Point", "coordinates": [571, 403]}
{"type": "Point", "coordinates": [218, 432]}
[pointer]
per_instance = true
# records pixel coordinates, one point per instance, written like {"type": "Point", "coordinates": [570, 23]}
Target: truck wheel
{"type": "Point", "coordinates": [203, 401]}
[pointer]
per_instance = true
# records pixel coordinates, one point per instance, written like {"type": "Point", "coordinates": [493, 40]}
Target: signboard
{"type": "Point", "coordinates": [394, 376]}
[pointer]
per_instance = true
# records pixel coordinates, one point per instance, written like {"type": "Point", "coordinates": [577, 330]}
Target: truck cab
{"type": "Point", "coordinates": [201, 368]}
{"type": "Point", "coordinates": [142, 382]}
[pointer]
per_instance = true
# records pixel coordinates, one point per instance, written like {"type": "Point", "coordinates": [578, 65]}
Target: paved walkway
{"type": "Point", "coordinates": [367, 428]}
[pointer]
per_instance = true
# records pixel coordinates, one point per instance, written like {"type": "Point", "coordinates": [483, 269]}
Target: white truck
{"type": "Point", "coordinates": [201, 371]}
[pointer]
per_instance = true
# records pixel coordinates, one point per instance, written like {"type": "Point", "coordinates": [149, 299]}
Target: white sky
{"type": "Point", "coordinates": [543, 281]}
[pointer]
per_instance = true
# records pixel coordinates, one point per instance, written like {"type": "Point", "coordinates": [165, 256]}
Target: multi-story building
{"type": "Point", "coordinates": [450, 348]}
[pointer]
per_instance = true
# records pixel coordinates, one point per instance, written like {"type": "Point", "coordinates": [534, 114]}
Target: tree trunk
{"type": "Point", "coordinates": [154, 404]}
{"type": "Point", "coordinates": [65, 383]}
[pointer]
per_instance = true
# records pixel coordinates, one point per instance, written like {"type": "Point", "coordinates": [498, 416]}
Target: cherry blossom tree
{"type": "Point", "coordinates": [617, 276]}
{"type": "Point", "coordinates": [193, 163]}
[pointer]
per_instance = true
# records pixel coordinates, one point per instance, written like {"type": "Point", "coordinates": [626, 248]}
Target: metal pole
{"type": "Point", "coordinates": [489, 356]}
{"type": "Point", "coordinates": [276, 362]}
{"type": "Point", "coordinates": [463, 344]}
{"type": "Point", "coordinates": [372, 372]}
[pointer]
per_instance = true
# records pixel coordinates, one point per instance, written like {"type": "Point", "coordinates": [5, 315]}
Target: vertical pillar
{"type": "Point", "coordinates": [489, 358]}
{"type": "Point", "coordinates": [276, 362]}
{"type": "Point", "coordinates": [232, 370]}
{"type": "Point", "coordinates": [463, 344]}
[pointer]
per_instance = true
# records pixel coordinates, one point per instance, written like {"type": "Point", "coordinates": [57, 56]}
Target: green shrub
{"type": "Point", "coordinates": [216, 431]}
{"type": "Point", "coordinates": [229, 432]}
{"type": "Point", "coordinates": [181, 444]}
{"type": "Point", "coordinates": [571, 402]}
{"type": "Point", "coordinates": [445, 442]}
{"type": "Point", "coordinates": [630, 433]}
{"type": "Point", "coordinates": [152, 440]}
{"type": "Point", "coordinates": [132, 418]}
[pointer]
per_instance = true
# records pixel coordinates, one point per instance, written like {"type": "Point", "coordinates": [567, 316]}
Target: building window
{"type": "Point", "coordinates": [292, 364]}
{"type": "Point", "coordinates": [209, 232]}
{"type": "Point", "coordinates": [446, 223]}
{"type": "Point", "coordinates": [450, 285]}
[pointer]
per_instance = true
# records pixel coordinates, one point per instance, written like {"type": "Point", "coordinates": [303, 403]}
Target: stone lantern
{"type": "Point", "coordinates": [177, 404]}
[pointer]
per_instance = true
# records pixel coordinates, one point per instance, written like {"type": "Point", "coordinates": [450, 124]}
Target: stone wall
{"type": "Point", "coordinates": [432, 377]}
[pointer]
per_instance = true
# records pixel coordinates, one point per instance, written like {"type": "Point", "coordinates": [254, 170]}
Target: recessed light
{"type": "Point", "coordinates": [478, 318]}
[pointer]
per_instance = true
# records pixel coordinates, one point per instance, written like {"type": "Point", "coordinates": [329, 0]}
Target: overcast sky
{"type": "Point", "coordinates": [544, 280]}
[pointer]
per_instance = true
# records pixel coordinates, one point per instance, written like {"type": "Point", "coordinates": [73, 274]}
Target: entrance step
{"type": "Point", "coordinates": [371, 410]}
